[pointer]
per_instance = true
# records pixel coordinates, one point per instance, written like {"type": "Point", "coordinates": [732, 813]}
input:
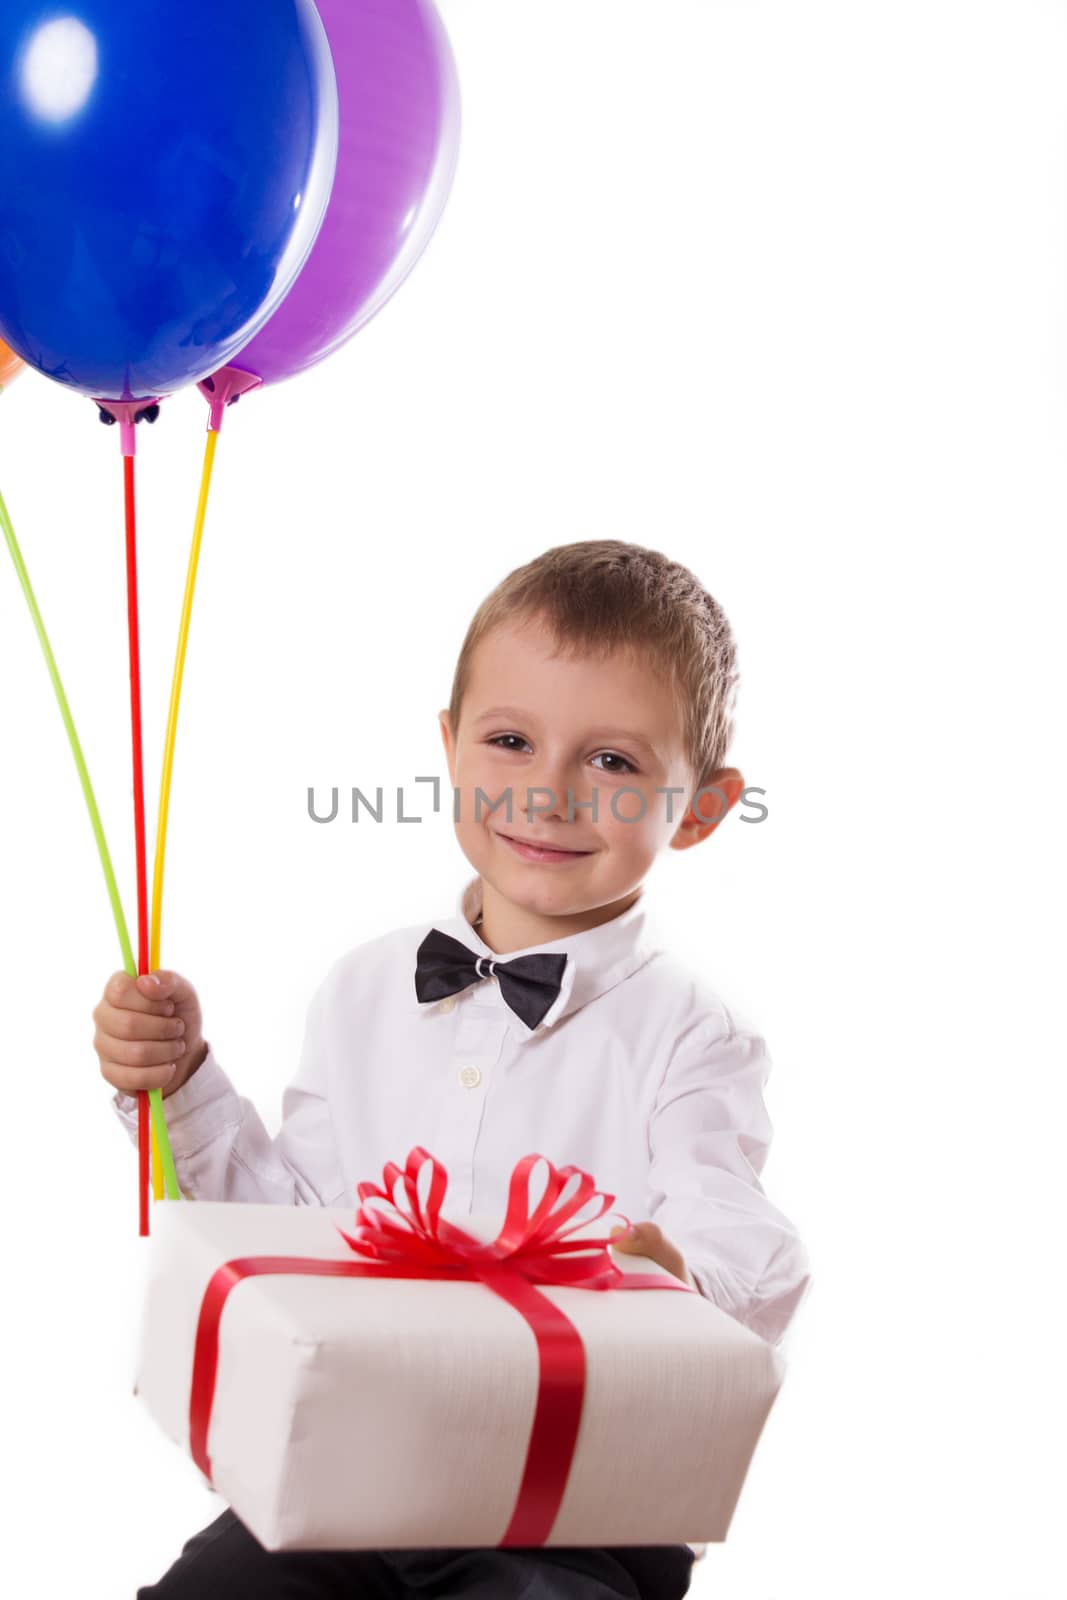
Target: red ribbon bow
{"type": "Point", "coordinates": [533, 1245]}
{"type": "Point", "coordinates": [530, 1249]}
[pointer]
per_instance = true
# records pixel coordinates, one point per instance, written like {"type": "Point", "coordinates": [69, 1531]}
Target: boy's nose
{"type": "Point", "coordinates": [547, 794]}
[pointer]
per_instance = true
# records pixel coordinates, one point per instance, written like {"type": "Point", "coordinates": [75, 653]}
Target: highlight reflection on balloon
{"type": "Point", "coordinates": [58, 69]}
{"type": "Point", "coordinates": [163, 174]}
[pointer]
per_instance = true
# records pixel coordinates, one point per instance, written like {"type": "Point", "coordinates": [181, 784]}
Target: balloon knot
{"type": "Point", "coordinates": [224, 388]}
{"type": "Point", "coordinates": [127, 413]}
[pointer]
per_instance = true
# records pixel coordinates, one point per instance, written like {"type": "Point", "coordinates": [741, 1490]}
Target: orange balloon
{"type": "Point", "coordinates": [10, 364]}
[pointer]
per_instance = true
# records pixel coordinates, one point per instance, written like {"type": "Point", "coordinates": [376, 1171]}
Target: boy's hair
{"type": "Point", "coordinates": [602, 595]}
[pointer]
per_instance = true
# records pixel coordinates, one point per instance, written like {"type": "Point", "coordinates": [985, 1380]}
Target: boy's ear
{"type": "Point", "coordinates": [715, 798]}
{"type": "Point", "coordinates": [444, 722]}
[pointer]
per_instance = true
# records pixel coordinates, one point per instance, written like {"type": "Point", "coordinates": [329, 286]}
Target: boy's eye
{"type": "Point", "coordinates": [613, 755]}
{"type": "Point", "coordinates": [498, 737]}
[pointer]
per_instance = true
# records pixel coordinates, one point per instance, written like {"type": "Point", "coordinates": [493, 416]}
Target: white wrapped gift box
{"type": "Point", "coordinates": [358, 1414]}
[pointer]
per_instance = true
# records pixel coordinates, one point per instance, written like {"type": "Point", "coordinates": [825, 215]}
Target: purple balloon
{"type": "Point", "coordinates": [399, 138]}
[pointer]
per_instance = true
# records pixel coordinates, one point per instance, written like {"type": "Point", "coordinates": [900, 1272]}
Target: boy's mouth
{"type": "Point", "coordinates": [542, 852]}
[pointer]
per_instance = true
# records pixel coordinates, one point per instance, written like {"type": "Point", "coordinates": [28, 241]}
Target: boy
{"type": "Point", "coordinates": [602, 1052]}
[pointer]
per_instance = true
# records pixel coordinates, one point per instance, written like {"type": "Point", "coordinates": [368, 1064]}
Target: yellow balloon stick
{"type": "Point", "coordinates": [172, 730]}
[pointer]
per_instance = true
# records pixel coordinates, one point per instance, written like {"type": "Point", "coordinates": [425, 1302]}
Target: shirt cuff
{"type": "Point", "coordinates": [194, 1113]}
{"type": "Point", "coordinates": [770, 1309]}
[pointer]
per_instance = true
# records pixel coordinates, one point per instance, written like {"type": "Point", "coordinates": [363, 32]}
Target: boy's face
{"type": "Point", "coordinates": [558, 731]}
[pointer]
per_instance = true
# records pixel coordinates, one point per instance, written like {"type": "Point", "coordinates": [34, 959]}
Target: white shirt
{"type": "Point", "coordinates": [638, 1074]}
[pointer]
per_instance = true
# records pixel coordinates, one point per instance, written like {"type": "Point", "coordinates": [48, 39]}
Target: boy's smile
{"type": "Point", "coordinates": [563, 766]}
{"type": "Point", "coordinates": [541, 850]}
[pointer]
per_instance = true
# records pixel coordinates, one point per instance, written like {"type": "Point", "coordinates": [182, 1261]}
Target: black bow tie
{"type": "Point", "coordinates": [529, 984]}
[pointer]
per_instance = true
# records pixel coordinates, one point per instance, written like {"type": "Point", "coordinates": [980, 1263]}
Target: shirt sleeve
{"type": "Point", "coordinates": [709, 1135]}
{"type": "Point", "coordinates": [221, 1148]}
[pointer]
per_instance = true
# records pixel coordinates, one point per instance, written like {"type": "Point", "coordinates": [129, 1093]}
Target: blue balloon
{"type": "Point", "coordinates": [164, 170]}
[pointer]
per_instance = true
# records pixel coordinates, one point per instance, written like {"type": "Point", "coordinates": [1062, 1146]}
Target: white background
{"type": "Point", "coordinates": [778, 289]}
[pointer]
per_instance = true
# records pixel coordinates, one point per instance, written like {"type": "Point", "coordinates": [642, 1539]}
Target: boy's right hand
{"type": "Point", "coordinates": [148, 1032]}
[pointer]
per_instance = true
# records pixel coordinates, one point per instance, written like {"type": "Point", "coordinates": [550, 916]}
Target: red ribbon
{"type": "Point", "coordinates": [530, 1249]}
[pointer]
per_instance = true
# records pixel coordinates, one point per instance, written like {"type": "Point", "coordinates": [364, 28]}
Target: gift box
{"type": "Point", "coordinates": [400, 1378]}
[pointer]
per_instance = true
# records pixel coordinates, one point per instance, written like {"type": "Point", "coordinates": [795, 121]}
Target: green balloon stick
{"type": "Point", "coordinates": [155, 1098]}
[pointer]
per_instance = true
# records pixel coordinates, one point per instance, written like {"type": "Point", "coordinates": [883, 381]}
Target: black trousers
{"type": "Point", "coordinates": [224, 1561]}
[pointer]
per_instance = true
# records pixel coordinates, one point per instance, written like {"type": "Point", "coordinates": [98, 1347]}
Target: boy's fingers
{"type": "Point", "coordinates": [621, 1235]}
{"type": "Point", "coordinates": [166, 985]}
{"type": "Point", "coordinates": [132, 1080]}
{"type": "Point", "coordinates": [114, 1025]}
{"type": "Point", "coordinates": [644, 1237]}
{"type": "Point", "coordinates": [138, 1053]}
{"type": "Point", "coordinates": [650, 1241]}
{"type": "Point", "coordinates": [122, 992]}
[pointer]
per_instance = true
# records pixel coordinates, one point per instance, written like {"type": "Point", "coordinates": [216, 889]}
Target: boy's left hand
{"type": "Point", "coordinates": [648, 1239]}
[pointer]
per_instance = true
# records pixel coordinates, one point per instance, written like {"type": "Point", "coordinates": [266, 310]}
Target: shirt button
{"type": "Point", "coordinates": [448, 1003]}
{"type": "Point", "coordinates": [470, 1077]}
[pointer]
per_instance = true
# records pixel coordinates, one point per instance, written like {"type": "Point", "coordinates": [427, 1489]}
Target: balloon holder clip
{"type": "Point", "coordinates": [127, 413]}
{"type": "Point", "coordinates": [224, 388]}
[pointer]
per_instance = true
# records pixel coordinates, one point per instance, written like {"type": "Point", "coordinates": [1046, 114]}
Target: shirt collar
{"type": "Point", "coordinates": [598, 959]}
